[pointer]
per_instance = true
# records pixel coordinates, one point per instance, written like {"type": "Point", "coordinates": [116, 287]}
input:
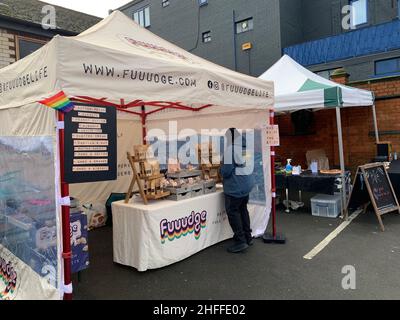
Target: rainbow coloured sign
{"type": "Point", "coordinates": [176, 229]}
{"type": "Point", "coordinates": [8, 276]}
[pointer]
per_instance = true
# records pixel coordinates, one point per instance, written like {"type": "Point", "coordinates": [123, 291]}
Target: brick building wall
{"type": "Point", "coordinates": [9, 44]}
{"type": "Point", "coordinates": [358, 128]}
{"type": "Point", "coordinates": [7, 48]}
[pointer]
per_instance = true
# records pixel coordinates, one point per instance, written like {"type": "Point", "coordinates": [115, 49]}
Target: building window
{"type": "Point", "coordinates": [360, 11]}
{"type": "Point", "coordinates": [398, 9]}
{"type": "Point", "coordinates": [27, 46]}
{"type": "Point", "coordinates": [387, 67]}
{"type": "Point", "coordinates": [202, 2]}
{"type": "Point", "coordinates": [165, 3]}
{"type": "Point", "coordinates": [244, 25]}
{"type": "Point", "coordinates": [206, 36]}
{"type": "Point", "coordinates": [142, 17]}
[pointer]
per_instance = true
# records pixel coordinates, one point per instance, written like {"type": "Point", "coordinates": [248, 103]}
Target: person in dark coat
{"type": "Point", "coordinates": [238, 181]}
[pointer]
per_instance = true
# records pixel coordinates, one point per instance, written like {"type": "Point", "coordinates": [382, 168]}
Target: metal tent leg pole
{"type": "Point", "coordinates": [65, 220]}
{"type": "Point", "coordinates": [287, 201]}
{"type": "Point", "coordinates": [375, 123]}
{"type": "Point", "coordinates": [144, 130]}
{"type": "Point", "coordinates": [342, 164]}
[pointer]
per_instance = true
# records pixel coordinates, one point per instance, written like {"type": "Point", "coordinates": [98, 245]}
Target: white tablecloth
{"type": "Point", "coordinates": [141, 238]}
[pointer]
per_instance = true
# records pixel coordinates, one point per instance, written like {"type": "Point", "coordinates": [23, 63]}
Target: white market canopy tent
{"type": "Point", "coordinates": [117, 59]}
{"type": "Point", "coordinates": [116, 63]}
{"type": "Point", "coordinates": [297, 88]}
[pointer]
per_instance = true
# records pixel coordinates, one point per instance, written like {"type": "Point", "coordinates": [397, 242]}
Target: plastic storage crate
{"type": "Point", "coordinates": [326, 206]}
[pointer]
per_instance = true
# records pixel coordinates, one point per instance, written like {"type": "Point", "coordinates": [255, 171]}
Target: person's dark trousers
{"type": "Point", "coordinates": [239, 219]}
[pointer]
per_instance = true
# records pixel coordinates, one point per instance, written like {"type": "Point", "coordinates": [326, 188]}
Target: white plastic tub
{"type": "Point", "coordinates": [328, 206]}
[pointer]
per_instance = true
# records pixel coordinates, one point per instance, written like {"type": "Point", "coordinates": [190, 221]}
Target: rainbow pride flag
{"type": "Point", "coordinates": [59, 102]}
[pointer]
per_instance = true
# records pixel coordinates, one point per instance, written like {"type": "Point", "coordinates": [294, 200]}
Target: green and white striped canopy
{"type": "Point", "coordinates": [297, 88]}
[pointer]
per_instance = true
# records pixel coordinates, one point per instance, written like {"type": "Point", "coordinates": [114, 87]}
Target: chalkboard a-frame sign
{"type": "Point", "coordinates": [372, 184]}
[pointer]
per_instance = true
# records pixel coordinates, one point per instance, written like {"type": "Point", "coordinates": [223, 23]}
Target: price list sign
{"type": "Point", "coordinates": [272, 135]}
{"type": "Point", "coordinates": [90, 144]}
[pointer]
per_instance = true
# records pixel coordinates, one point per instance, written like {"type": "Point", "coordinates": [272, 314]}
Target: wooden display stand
{"type": "Point", "coordinates": [209, 169]}
{"type": "Point", "coordinates": [145, 193]}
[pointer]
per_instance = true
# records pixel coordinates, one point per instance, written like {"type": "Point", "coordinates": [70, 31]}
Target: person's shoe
{"type": "Point", "coordinates": [238, 247]}
{"type": "Point", "coordinates": [250, 241]}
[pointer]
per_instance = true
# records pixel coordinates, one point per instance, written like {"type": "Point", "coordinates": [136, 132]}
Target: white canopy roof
{"type": "Point", "coordinates": [117, 59]}
{"type": "Point", "coordinates": [297, 88]}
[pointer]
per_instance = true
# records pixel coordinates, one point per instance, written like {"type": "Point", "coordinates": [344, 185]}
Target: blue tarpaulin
{"type": "Point", "coordinates": [370, 40]}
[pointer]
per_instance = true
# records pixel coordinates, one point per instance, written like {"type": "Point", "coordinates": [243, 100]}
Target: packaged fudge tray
{"type": "Point", "coordinates": [185, 174]}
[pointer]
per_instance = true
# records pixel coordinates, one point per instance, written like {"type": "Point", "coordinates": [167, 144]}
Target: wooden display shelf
{"type": "Point", "coordinates": [211, 166]}
{"type": "Point", "coordinates": [208, 168]}
{"type": "Point", "coordinates": [150, 178]}
{"type": "Point", "coordinates": [136, 160]}
{"type": "Point", "coordinates": [137, 178]}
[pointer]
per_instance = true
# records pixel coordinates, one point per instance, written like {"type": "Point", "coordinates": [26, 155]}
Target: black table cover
{"type": "Point", "coordinates": [394, 175]}
{"type": "Point", "coordinates": [308, 182]}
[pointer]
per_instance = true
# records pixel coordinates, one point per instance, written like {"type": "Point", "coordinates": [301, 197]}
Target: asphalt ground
{"type": "Point", "coordinates": [264, 271]}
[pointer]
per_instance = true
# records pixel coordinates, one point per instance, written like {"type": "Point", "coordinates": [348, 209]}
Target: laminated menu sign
{"type": "Point", "coordinates": [90, 144]}
{"type": "Point", "coordinates": [272, 135]}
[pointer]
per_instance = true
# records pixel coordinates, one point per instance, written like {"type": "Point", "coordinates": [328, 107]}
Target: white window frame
{"type": "Point", "coordinates": [142, 17]}
{"type": "Point", "coordinates": [202, 2]}
{"type": "Point", "coordinates": [355, 18]}
{"type": "Point", "coordinates": [206, 39]}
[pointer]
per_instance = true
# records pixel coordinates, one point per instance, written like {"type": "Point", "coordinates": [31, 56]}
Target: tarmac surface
{"type": "Point", "coordinates": [264, 271]}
